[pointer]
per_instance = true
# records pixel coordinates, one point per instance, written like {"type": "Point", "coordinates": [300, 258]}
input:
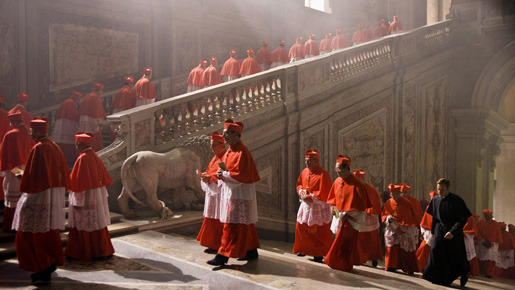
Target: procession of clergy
{"type": "Point", "coordinates": [35, 173]}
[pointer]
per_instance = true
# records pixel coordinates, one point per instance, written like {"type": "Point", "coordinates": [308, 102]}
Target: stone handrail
{"type": "Point", "coordinates": [260, 98]}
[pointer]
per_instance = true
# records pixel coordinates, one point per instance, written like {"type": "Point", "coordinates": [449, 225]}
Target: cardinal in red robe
{"type": "Point", "coordinates": [311, 47]}
{"type": "Point", "coordinates": [425, 231]}
{"type": "Point", "coordinates": [21, 106]}
{"type": "Point", "coordinates": [487, 243]}
{"type": "Point", "coordinates": [144, 90]}
{"type": "Point", "coordinates": [349, 199]}
{"type": "Point", "coordinates": [264, 56]}
{"type": "Point", "coordinates": [88, 215]}
{"type": "Point", "coordinates": [249, 66]}
{"type": "Point", "coordinates": [395, 26]}
{"type": "Point", "coordinates": [14, 153]}
{"type": "Point", "coordinates": [91, 115]}
{"type": "Point", "coordinates": [401, 225]}
{"type": "Point", "coordinates": [231, 68]}
{"type": "Point", "coordinates": [39, 215]}
{"type": "Point", "coordinates": [238, 204]}
{"type": "Point", "coordinates": [279, 55]}
{"type": "Point", "coordinates": [325, 44]}
{"type": "Point", "coordinates": [470, 232]}
{"type": "Point", "coordinates": [313, 229]}
{"type": "Point", "coordinates": [210, 234]}
{"type": "Point", "coordinates": [66, 124]}
{"type": "Point", "coordinates": [340, 41]}
{"type": "Point", "coordinates": [194, 81]}
{"type": "Point", "coordinates": [297, 51]}
{"type": "Point", "coordinates": [211, 76]}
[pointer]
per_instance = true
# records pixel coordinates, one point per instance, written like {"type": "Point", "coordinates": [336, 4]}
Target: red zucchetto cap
{"type": "Point", "coordinates": [394, 187]}
{"type": "Point", "coordinates": [343, 160]}
{"type": "Point", "coordinates": [40, 124]}
{"type": "Point", "coordinates": [128, 80]}
{"type": "Point", "coordinates": [264, 43]}
{"type": "Point", "coordinates": [148, 71]}
{"type": "Point", "coordinates": [359, 173]}
{"type": "Point", "coordinates": [215, 136]}
{"type": "Point", "coordinates": [487, 212]}
{"type": "Point", "coordinates": [405, 188]}
{"type": "Point", "coordinates": [98, 86]}
{"type": "Point", "coordinates": [433, 194]}
{"type": "Point", "coordinates": [203, 62]}
{"type": "Point", "coordinates": [76, 95]}
{"type": "Point", "coordinates": [312, 153]}
{"type": "Point", "coordinates": [84, 138]}
{"type": "Point", "coordinates": [15, 116]}
{"type": "Point", "coordinates": [232, 53]}
{"type": "Point", "coordinates": [22, 97]}
{"type": "Point", "coordinates": [282, 43]}
{"type": "Point", "coordinates": [233, 126]}
{"type": "Point", "coordinates": [213, 60]}
{"type": "Point", "coordinates": [250, 52]}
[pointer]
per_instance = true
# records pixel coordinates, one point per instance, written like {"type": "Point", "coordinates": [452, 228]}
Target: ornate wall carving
{"type": "Point", "coordinates": [80, 54]}
{"type": "Point", "coordinates": [409, 134]}
{"type": "Point", "coordinates": [143, 135]}
{"type": "Point", "coordinates": [270, 189]}
{"type": "Point", "coordinates": [364, 142]}
{"type": "Point", "coordinates": [8, 53]}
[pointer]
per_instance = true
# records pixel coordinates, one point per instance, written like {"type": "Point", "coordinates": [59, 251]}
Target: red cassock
{"type": "Point", "coordinates": [325, 45]}
{"type": "Point", "coordinates": [488, 231]}
{"type": "Point", "coordinates": [89, 237]}
{"type": "Point", "coordinates": [123, 100]}
{"type": "Point", "coordinates": [263, 56]}
{"type": "Point", "coordinates": [340, 41]}
{"type": "Point", "coordinates": [144, 89]}
{"type": "Point", "coordinates": [504, 266]}
{"type": "Point", "coordinates": [358, 36]}
{"type": "Point", "coordinates": [311, 48]}
{"type": "Point", "coordinates": [46, 170]}
{"type": "Point", "coordinates": [279, 55]}
{"type": "Point", "coordinates": [231, 67]}
{"type": "Point", "coordinates": [424, 249]}
{"type": "Point", "coordinates": [395, 26]}
{"type": "Point", "coordinates": [400, 250]}
{"type": "Point", "coordinates": [249, 66]}
{"type": "Point", "coordinates": [417, 209]}
{"type": "Point", "coordinates": [313, 234]}
{"type": "Point", "coordinates": [297, 51]}
{"type": "Point", "coordinates": [469, 232]}
{"type": "Point", "coordinates": [92, 112]}
{"type": "Point", "coordinates": [66, 125]}
{"type": "Point", "coordinates": [24, 113]}
{"type": "Point", "coordinates": [378, 32]}
{"type": "Point", "coordinates": [370, 241]}
{"type": "Point", "coordinates": [4, 127]}
{"type": "Point", "coordinates": [347, 195]}
{"type": "Point", "coordinates": [195, 76]}
{"type": "Point", "coordinates": [14, 152]}
{"type": "Point", "coordinates": [211, 76]}
{"type": "Point", "coordinates": [239, 232]}
{"type": "Point", "coordinates": [210, 234]}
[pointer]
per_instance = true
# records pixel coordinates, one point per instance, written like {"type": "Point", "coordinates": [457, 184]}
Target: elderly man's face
{"type": "Point", "coordinates": [311, 163]}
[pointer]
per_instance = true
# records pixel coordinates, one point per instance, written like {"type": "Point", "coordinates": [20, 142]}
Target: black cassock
{"type": "Point", "coordinates": [448, 258]}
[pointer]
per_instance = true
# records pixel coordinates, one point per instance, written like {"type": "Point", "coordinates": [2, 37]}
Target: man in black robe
{"type": "Point", "coordinates": [448, 256]}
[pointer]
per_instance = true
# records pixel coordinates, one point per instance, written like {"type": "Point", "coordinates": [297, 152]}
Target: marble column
{"type": "Point", "coordinates": [504, 194]}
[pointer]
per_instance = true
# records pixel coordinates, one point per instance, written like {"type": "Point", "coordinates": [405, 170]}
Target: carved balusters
{"type": "Point", "coordinates": [158, 128]}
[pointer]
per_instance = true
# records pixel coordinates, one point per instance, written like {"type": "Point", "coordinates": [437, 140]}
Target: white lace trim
{"type": "Point", "coordinates": [406, 237]}
{"type": "Point", "coordinates": [469, 246]}
{"type": "Point", "coordinates": [89, 125]}
{"type": "Point", "coordinates": [89, 210]}
{"type": "Point", "coordinates": [486, 254]}
{"type": "Point", "coordinates": [427, 236]}
{"type": "Point", "coordinates": [11, 187]}
{"type": "Point", "coordinates": [371, 223]}
{"type": "Point", "coordinates": [505, 259]}
{"type": "Point", "coordinates": [314, 213]}
{"type": "Point", "coordinates": [212, 200]}
{"type": "Point", "coordinates": [238, 203]}
{"type": "Point", "coordinates": [355, 218]}
{"type": "Point", "coordinates": [40, 212]}
{"type": "Point", "coordinates": [64, 131]}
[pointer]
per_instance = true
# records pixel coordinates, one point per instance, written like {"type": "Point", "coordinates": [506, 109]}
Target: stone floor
{"type": "Point", "coordinates": [153, 260]}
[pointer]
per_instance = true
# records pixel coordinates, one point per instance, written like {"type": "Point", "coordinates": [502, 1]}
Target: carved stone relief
{"type": "Point", "coordinates": [269, 189]}
{"type": "Point", "coordinates": [409, 104]}
{"type": "Point", "coordinates": [143, 133]}
{"type": "Point", "coordinates": [81, 54]}
{"type": "Point", "coordinates": [364, 143]}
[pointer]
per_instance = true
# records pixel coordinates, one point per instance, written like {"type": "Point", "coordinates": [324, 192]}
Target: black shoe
{"type": "Point", "coordinates": [411, 273]}
{"type": "Point", "coordinates": [374, 263]}
{"type": "Point", "coordinates": [103, 258]}
{"type": "Point", "coordinates": [210, 251]}
{"type": "Point", "coordinates": [391, 269]}
{"type": "Point", "coordinates": [488, 276]}
{"type": "Point", "coordinates": [318, 259]}
{"type": "Point", "coordinates": [250, 255]}
{"type": "Point", "coordinates": [300, 255]}
{"type": "Point", "coordinates": [464, 279]}
{"type": "Point", "coordinates": [218, 260]}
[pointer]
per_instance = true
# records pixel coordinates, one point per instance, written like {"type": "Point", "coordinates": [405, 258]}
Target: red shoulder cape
{"type": "Point", "coordinates": [279, 55]}
{"type": "Point", "coordinates": [25, 114]}
{"type": "Point", "coordinates": [311, 47]}
{"type": "Point", "coordinates": [263, 56]}
{"type": "Point", "coordinates": [89, 172]}
{"type": "Point", "coordinates": [231, 67]}
{"type": "Point", "coordinates": [92, 107]}
{"type": "Point", "coordinates": [144, 89]}
{"type": "Point", "coordinates": [68, 110]}
{"type": "Point", "coordinates": [374, 198]}
{"type": "Point", "coordinates": [240, 163]}
{"type": "Point", "coordinates": [249, 66]}
{"type": "Point", "coordinates": [211, 76]}
{"type": "Point", "coordinates": [349, 194]}
{"type": "Point", "coordinates": [46, 168]}
{"type": "Point", "coordinates": [317, 182]}
{"type": "Point", "coordinates": [297, 50]}
{"type": "Point", "coordinates": [212, 168]}
{"type": "Point", "coordinates": [15, 148]}
{"type": "Point", "coordinates": [400, 210]}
